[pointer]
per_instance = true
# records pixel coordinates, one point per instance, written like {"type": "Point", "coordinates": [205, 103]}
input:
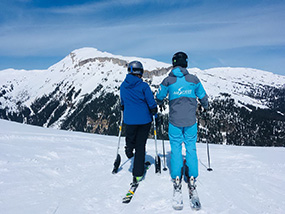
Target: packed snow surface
{"type": "Point", "coordinates": [53, 171]}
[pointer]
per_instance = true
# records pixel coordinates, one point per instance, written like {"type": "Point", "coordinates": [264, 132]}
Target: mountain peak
{"type": "Point", "coordinates": [85, 53]}
{"type": "Point", "coordinates": [89, 52]}
{"type": "Point", "coordinates": [81, 92]}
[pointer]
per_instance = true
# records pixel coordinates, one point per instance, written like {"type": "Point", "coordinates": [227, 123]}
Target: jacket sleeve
{"type": "Point", "coordinates": [149, 98]}
{"type": "Point", "coordinates": [162, 92]}
{"type": "Point", "coordinates": [201, 94]}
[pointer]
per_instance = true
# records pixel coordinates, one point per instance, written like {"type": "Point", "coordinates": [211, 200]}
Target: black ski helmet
{"type": "Point", "coordinates": [135, 67]}
{"type": "Point", "coordinates": [180, 59]}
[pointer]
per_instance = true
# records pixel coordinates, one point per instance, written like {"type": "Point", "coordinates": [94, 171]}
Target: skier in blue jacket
{"type": "Point", "coordinates": [139, 106]}
{"type": "Point", "coordinates": [182, 89]}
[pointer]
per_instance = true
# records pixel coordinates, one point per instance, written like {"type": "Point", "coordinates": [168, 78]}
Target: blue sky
{"type": "Point", "coordinates": [35, 34]}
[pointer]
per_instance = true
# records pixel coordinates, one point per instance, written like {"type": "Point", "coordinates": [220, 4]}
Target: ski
{"type": "Point", "coordinates": [193, 195]}
{"type": "Point", "coordinates": [177, 200]}
{"type": "Point", "coordinates": [134, 185]}
{"type": "Point", "coordinates": [127, 199]}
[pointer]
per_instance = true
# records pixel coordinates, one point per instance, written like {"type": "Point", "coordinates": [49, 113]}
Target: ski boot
{"type": "Point", "coordinates": [193, 194]}
{"type": "Point", "coordinates": [177, 200]}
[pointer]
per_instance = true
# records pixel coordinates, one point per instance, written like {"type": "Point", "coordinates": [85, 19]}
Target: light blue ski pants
{"type": "Point", "coordinates": [178, 135]}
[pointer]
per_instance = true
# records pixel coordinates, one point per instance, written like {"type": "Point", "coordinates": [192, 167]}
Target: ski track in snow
{"type": "Point", "coordinates": [53, 171]}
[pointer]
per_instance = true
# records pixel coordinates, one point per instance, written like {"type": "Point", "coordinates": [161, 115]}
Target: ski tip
{"type": "Point", "coordinates": [196, 208]}
{"type": "Point", "coordinates": [178, 208]}
{"type": "Point", "coordinates": [195, 205]}
{"type": "Point", "coordinates": [126, 200]}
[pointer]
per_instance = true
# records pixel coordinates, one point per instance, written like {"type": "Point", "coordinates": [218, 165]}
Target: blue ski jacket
{"type": "Point", "coordinates": [137, 99]}
{"type": "Point", "coordinates": [183, 90]}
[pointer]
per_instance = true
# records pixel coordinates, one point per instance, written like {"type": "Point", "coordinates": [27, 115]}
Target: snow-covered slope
{"type": "Point", "coordinates": [53, 171]}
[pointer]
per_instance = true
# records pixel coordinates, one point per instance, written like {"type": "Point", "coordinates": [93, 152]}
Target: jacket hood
{"type": "Point", "coordinates": [178, 71]}
{"type": "Point", "coordinates": [131, 81]}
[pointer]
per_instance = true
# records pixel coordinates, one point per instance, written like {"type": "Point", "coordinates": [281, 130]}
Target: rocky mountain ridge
{"type": "Point", "coordinates": [81, 92]}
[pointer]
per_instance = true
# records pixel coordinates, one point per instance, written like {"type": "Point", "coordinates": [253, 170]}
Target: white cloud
{"type": "Point", "coordinates": [194, 29]}
{"type": "Point", "coordinates": [83, 9]}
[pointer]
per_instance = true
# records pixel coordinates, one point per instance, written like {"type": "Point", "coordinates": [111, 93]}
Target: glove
{"type": "Point", "coordinates": [122, 108]}
{"type": "Point", "coordinates": [202, 109]}
{"type": "Point", "coordinates": [162, 107]}
{"type": "Point", "coordinates": [153, 111]}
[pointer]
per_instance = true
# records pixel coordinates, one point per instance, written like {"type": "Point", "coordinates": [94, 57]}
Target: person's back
{"type": "Point", "coordinates": [137, 99]}
{"type": "Point", "coordinates": [138, 106]}
{"type": "Point", "coordinates": [182, 89]}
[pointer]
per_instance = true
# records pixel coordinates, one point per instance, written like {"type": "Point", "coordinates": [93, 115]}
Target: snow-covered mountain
{"type": "Point", "coordinates": [43, 170]}
{"type": "Point", "coordinates": [81, 92]}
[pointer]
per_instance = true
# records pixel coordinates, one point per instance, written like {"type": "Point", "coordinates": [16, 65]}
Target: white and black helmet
{"type": "Point", "coordinates": [135, 67]}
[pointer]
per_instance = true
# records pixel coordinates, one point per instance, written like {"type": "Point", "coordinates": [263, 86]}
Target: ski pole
{"type": "Point", "coordinates": [208, 152]}
{"type": "Point", "coordinates": [208, 149]}
{"type": "Point", "coordinates": [157, 158]}
{"type": "Point", "coordinates": [162, 132]}
{"type": "Point", "coordinates": [118, 157]}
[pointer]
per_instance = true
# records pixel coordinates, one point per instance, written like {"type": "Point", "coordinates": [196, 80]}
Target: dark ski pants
{"type": "Point", "coordinates": [136, 137]}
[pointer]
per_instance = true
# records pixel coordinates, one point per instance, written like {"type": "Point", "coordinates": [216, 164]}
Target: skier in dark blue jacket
{"type": "Point", "coordinates": [139, 106]}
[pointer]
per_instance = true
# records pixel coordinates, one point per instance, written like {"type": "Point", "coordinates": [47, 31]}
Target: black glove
{"type": "Point", "coordinates": [161, 105]}
{"type": "Point", "coordinates": [202, 109]}
{"type": "Point", "coordinates": [122, 108]}
{"type": "Point", "coordinates": [153, 111]}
